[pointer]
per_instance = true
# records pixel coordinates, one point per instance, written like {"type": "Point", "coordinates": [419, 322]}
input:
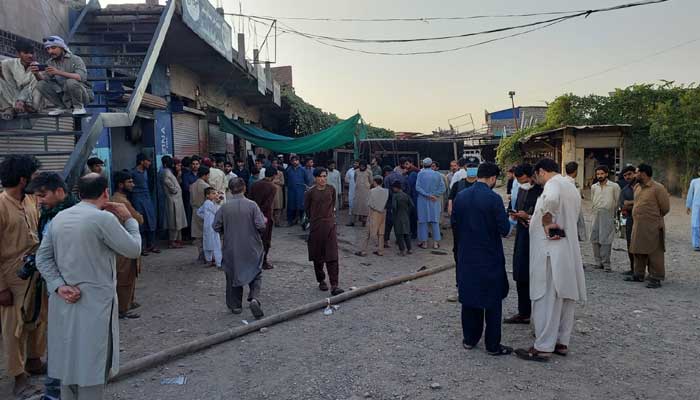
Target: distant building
{"type": "Point", "coordinates": [502, 123]}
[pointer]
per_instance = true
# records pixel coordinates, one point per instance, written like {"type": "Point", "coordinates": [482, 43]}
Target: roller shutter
{"type": "Point", "coordinates": [185, 135]}
{"type": "Point", "coordinates": [217, 140]}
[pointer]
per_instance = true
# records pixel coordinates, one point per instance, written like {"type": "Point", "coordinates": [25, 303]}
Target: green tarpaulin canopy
{"type": "Point", "coordinates": [350, 130]}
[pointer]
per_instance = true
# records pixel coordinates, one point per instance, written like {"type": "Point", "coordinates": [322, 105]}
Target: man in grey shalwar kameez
{"type": "Point", "coordinates": [77, 258]}
{"type": "Point", "coordinates": [240, 221]}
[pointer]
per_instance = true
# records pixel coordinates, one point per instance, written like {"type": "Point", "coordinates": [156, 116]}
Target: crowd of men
{"type": "Point", "coordinates": [70, 263]}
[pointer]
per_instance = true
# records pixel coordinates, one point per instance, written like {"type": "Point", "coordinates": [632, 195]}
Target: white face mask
{"type": "Point", "coordinates": [526, 186]}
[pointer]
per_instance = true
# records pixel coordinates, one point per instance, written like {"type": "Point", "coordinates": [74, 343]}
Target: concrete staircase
{"type": "Point", "coordinates": [120, 47]}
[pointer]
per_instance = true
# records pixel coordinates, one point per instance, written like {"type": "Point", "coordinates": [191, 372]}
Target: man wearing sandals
{"type": "Point", "coordinates": [482, 282]}
{"type": "Point", "coordinates": [17, 82]}
{"type": "Point", "coordinates": [556, 269]}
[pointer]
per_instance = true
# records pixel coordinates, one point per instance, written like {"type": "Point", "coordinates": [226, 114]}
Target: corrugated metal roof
{"type": "Point", "coordinates": [576, 128]}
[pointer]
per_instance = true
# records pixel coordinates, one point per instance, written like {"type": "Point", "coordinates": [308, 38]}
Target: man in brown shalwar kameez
{"type": "Point", "coordinates": [319, 204]}
{"type": "Point", "coordinates": [197, 198]}
{"type": "Point", "coordinates": [363, 183]}
{"type": "Point", "coordinates": [651, 204]}
{"type": "Point", "coordinates": [278, 204]}
{"type": "Point", "coordinates": [127, 268]}
{"type": "Point", "coordinates": [240, 222]}
{"type": "Point", "coordinates": [263, 193]}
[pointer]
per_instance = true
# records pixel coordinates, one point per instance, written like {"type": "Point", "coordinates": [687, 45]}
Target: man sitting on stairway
{"type": "Point", "coordinates": [17, 83]}
{"type": "Point", "coordinates": [64, 82]}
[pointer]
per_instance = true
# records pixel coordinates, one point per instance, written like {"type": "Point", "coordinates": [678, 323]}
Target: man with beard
{"type": "Point", "coordinates": [53, 196]}
{"type": "Point", "coordinates": [529, 192]}
{"type": "Point", "coordinates": [605, 196]}
{"type": "Point", "coordinates": [481, 267]}
{"type": "Point", "coordinates": [189, 176]}
{"type": "Point", "coordinates": [625, 204]}
{"type": "Point", "coordinates": [64, 83]}
{"type": "Point", "coordinates": [430, 185]}
{"type": "Point", "coordinates": [127, 268]}
{"type": "Point", "coordinates": [390, 177]}
{"type": "Point", "coordinates": [141, 199]}
{"type": "Point", "coordinates": [319, 203]}
{"type": "Point", "coordinates": [651, 204]}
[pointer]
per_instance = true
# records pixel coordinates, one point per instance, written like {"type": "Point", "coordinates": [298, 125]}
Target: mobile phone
{"type": "Point", "coordinates": [41, 67]}
{"type": "Point", "coordinates": [557, 232]}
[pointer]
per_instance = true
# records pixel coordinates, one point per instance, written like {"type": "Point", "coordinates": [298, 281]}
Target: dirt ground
{"type": "Point", "coordinates": [404, 342]}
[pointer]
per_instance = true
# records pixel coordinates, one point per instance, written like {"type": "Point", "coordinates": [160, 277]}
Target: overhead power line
{"type": "Point", "coordinates": [637, 60]}
{"type": "Point", "coordinates": [416, 19]}
{"type": "Point", "coordinates": [585, 13]}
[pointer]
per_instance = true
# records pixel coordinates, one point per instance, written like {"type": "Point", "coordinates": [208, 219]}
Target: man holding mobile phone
{"type": "Point", "coordinates": [556, 269]}
{"type": "Point", "coordinates": [64, 81]}
{"type": "Point", "coordinates": [17, 83]}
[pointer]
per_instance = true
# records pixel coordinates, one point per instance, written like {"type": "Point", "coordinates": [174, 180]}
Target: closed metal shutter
{"type": "Point", "coordinates": [185, 135]}
{"type": "Point", "coordinates": [217, 140]}
{"type": "Point", "coordinates": [36, 145]}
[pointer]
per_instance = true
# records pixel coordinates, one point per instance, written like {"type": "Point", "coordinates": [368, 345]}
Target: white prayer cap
{"type": "Point", "coordinates": [427, 162]}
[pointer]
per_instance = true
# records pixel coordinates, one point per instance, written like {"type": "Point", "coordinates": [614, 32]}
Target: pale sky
{"type": "Point", "coordinates": [420, 93]}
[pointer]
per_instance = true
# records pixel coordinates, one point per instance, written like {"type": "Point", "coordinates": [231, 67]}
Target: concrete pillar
{"type": "Point", "coordinates": [256, 56]}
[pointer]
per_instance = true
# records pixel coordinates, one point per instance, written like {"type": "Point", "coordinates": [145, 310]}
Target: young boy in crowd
{"type": "Point", "coordinates": [211, 240]}
{"type": "Point", "coordinates": [378, 197]}
{"type": "Point", "coordinates": [401, 206]}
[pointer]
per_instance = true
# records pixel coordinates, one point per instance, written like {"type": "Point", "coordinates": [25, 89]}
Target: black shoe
{"type": "Point", "coordinates": [237, 310]}
{"type": "Point", "coordinates": [323, 286]}
{"type": "Point", "coordinates": [501, 351]}
{"type": "Point", "coordinates": [256, 309]}
{"type": "Point", "coordinates": [337, 291]}
{"type": "Point", "coordinates": [517, 319]}
{"type": "Point", "coordinates": [468, 346]}
{"type": "Point", "coordinates": [634, 279]}
{"type": "Point", "coordinates": [628, 273]}
{"type": "Point", "coordinates": [654, 284]}
{"type": "Point", "coordinates": [129, 315]}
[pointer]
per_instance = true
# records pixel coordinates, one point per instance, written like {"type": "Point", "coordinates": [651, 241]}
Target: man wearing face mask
{"type": "Point", "coordinates": [605, 196]}
{"type": "Point", "coordinates": [468, 181]}
{"type": "Point", "coordinates": [528, 193]}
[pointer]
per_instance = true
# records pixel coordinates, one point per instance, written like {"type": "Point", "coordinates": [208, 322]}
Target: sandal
{"type": "Point", "coordinates": [436, 246]}
{"type": "Point", "coordinates": [502, 351]}
{"type": "Point", "coordinates": [561, 350]}
{"type": "Point", "coordinates": [378, 253]}
{"type": "Point", "coordinates": [7, 114]}
{"type": "Point", "coordinates": [532, 354]}
{"type": "Point", "coordinates": [422, 245]}
{"type": "Point", "coordinates": [361, 254]}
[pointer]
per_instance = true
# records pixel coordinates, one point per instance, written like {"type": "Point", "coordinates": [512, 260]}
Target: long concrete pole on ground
{"type": "Point", "coordinates": [196, 345]}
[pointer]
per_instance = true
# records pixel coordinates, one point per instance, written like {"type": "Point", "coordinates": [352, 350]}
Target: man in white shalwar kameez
{"type": "Point", "coordinates": [556, 270]}
{"type": "Point", "coordinates": [350, 179]}
{"type": "Point", "coordinates": [605, 196]}
{"type": "Point", "coordinates": [77, 259]}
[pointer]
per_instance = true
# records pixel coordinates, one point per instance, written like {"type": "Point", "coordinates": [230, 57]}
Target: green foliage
{"type": "Point", "coordinates": [508, 151]}
{"type": "Point", "coordinates": [305, 119]}
{"type": "Point", "coordinates": [664, 119]}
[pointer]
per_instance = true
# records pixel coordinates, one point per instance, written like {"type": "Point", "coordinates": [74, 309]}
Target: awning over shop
{"type": "Point", "coordinates": [350, 130]}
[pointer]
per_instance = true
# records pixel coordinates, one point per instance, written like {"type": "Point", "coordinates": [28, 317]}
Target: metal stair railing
{"type": "Point", "coordinates": [96, 123]}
